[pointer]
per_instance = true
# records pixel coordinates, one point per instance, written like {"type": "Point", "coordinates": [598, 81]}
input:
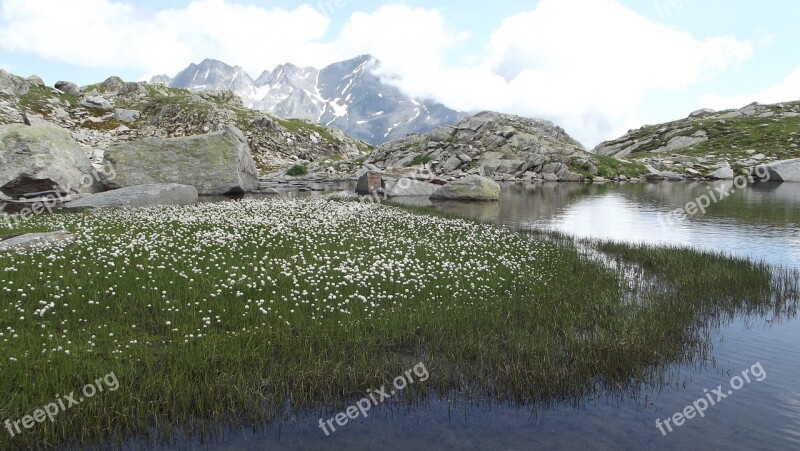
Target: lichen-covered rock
{"type": "Point", "coordinates": [473, 188]}
{"type": "Point", "coordinates": [13, 85]}
{"type": "Point", "coordinates": [408, 187]}
{"type": "Point", "coordinates": [217, 163]}
{"type": "Point", "coordinates": [784, 171]}
{"type": "Point", "coordinates": [43, 159]}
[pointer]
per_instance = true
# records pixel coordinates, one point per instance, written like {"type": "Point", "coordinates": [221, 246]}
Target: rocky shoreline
{"type": "Point", "coordinates": [69, 147]}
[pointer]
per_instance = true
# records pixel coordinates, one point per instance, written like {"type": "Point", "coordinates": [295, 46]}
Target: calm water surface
{"type": "Point", "coordinates": [762, 221]}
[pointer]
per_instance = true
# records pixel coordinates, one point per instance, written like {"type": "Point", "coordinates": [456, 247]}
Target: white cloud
{"type": "Point", "coordinates": [586, 64]}
{"type": "Point", "coordinates": [108, 34]}
{"type": "Point", "coordinates": [787, 90]}
{"type": "Point", "coordinates": [400, 37]}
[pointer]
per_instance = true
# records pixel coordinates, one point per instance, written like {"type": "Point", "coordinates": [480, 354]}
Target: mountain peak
{"type": "Point", "coordinates": [346, 95]}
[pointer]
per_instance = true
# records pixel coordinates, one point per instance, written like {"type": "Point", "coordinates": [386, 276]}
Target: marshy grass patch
{"type": "Point", "coordinates": [227, 313]}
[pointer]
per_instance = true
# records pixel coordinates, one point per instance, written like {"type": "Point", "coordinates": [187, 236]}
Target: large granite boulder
{"type": "Point", "coordinates": [784, 171]}
{"type": "Point", "coordinates": [68, 87]}
{"type": "Point", "coordinates": [43, 159]}
{"type": "Point", "coordinates": [725, 172]}
{"type": "Point", "coordinates": [137, 196]}
{"type": "Point", "coordinates": [370, 182]}
{"type": "Point", "coordinates": [408, 187]}
{"type": "Point", "coordinates": [472, 187]}
{"type": "Point", "coordinates": [96, 103]}
{"type": "Point", "coordinates": [218, 163]}
{"type": "Point", "coordinates": [12, 85]}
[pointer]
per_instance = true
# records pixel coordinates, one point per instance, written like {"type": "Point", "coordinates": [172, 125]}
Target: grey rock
{"type": "Point", "coordinates": [12, 85]}
{"type": "Point", "coordinates": [137, 196]}
{"type": "Point", "coordinates": [506, 132]}
{"type": "Point", "coordinates": [217, 163]}
{"type": "Point", "coordinates": [67, 87]}
{"type": "Point", "coordinates": [113, 85]}
{"type": "Point", "coordinates": [264, 122]}
{"type": "Point", "coordinates": [703, 112]}
{"type": "Point", "coordinates": [37, 240]}
{"type": "Point", "coordinates": [128, 116]}
{"type": "Point", "coordinates": [35, 80]}
{"type": "Point", "coordinates": [43, 158]}
{"type": "Point", "coordinates": [370, 182]}
{"type": "Point", "coordinates": [470, 188]}
{"type": "Point", "coordinates": [723, 173]}
{"type": "Point", "coordinates": [96, 103]}
{"type": "Point", "coordinates": [510, 166]}
{"type": "Point", "coordinates": [570, 176]}
{"type": "Point", "coordinates": [784, 171]}
{"type": "Point", "coordinates": [407, 187]}
{"type": "Point", "coordinates": [441, 134]}
{"type": "Point", "coordinates": [451, 164]}
{"type": "Point", "coordinates": [682, 142]}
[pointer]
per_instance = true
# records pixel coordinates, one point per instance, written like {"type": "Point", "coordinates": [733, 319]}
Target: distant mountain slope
{"type": "Point", "coordinates": [505, 147]}
{"type": "Point", "coordinates": [749, 136]}
{"type": "Point", "coordinates": [346, 95]}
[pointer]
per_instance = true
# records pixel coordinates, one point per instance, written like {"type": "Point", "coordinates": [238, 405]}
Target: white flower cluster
{"type": "Point", "coordinates": [179, 274]}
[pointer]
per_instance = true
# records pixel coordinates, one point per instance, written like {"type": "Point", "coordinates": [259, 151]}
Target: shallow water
{"type": "Point", "coordinates": [762, 221]}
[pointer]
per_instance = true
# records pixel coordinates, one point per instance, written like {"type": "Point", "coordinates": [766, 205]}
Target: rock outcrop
{"type": "Point", "coordinates": [499, 146]}
{"type": "Point", "coordinates": [470, 188]}
{"type": "Point", "coordinates": [137, 196]}
{"type": "Point", "coordinates": [217, 163]}
{"type": "Point", "coordinates": [714, 144]}
{"type": "Point", "coordinates": [11, 85]}
{"type": "Point", "coordinates": [397, 182]}
{"type": "Point", "coordinates": [783, 171]}
{"type": "Point", "coordinates": [41, 160]}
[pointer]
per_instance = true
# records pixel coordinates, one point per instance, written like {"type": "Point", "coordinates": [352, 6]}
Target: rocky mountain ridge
{"type": "Point", "coordinates": [712, 143]}
{"type": "Point", "coordinates": [346, 95]}
{"type": "Point", "coordinates": [504, 147]}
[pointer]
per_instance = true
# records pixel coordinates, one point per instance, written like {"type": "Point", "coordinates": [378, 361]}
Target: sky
{"type": "Point", "coordinates": [596, 67]}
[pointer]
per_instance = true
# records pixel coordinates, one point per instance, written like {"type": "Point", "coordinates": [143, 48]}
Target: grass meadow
{"type": "Point", "coordinates": [234, 312]}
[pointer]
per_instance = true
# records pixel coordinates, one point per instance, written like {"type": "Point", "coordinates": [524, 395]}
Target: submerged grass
{"type": "Point", "coordinates": [235, 310]}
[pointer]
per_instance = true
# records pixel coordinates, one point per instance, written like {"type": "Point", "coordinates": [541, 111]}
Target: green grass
{"type": "Point", "coordinates": [221, 313]}
{"type": "Point", "coordinates": [420, 160]}
{"type": "Point", "coordinates": [306, 128]}
{"type": "Point", "coordinates": [297, 170]}
{"type": "Point", "coordinates": [36, 100]}
{"type": "Point", "coordinates": [729, 138]}
{"type": "Point", "coordinates": [609, 167]}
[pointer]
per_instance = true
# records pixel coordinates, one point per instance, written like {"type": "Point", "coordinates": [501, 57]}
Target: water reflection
{"type": "Point", "coordinates": [762, 221]}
